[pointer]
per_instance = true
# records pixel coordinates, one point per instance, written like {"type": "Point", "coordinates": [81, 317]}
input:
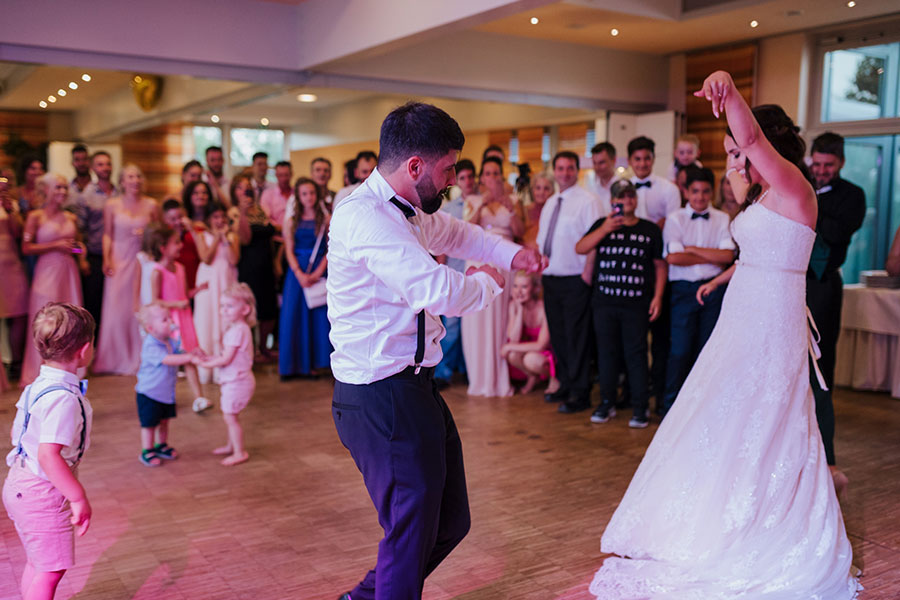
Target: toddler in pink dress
{"type": "Point", "coordinates": [235, 364]}
{"type": "Point", "coordinates": [168, 286]}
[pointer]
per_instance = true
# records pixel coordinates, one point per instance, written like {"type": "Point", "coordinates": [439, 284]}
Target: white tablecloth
{"type": "Point", "coordinates": [868, 349]}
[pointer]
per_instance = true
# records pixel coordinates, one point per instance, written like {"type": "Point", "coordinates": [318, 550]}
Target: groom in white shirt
{"type": "Point", "coordinates": [384, 292]}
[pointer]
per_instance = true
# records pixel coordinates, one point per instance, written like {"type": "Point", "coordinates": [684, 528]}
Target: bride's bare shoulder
{"type": "Point", "coordinates": [799, 206]}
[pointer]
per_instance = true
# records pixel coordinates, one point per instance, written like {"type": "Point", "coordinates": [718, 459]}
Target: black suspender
{"type": "Point", "coordinates": [409, 213]}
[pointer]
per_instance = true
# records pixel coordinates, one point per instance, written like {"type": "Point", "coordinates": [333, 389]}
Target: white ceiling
{"type": "Point", "coordinates": [575, 23]}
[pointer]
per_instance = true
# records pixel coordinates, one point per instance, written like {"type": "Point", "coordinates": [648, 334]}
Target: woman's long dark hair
{"type": "Point", "coordinates": [784, 136]}
{"type": "Point", "coordinates": [189, 206]}
{"type": "Point", "coordinates": [298, 208]}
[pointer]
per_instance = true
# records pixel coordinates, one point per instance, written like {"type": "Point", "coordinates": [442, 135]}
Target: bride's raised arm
{"type": "Point", "coordinates": [779, 173]}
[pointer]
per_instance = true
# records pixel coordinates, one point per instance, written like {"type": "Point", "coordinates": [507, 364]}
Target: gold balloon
{"type": "Point", "coordinates": [147, 90]}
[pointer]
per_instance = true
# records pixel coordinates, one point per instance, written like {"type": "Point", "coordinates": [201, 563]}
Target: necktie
{"type": "Point", "coordinates": [700, 216]}
{"type": "Point", "coordinates": [639, 184]}
{"type": "Point", "coordinates": [548, 241]}
{"type": "Point", "coordinates": [409, 213]}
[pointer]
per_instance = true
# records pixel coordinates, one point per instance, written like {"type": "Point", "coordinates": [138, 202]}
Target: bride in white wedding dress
{"type": "Point", "coordinates": [734, 498]}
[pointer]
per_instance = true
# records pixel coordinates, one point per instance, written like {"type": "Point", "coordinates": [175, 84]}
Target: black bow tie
{"type": "Point", "coordinates": [408, 212]}
{"type": "Point", "coordinates": [700, 216]}
{"type": "Point", "coordinates": [641, 184]}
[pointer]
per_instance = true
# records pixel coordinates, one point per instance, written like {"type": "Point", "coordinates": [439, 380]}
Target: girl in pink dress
{"type": "Point", "coordinates": [528, 339]}
{"type": "Point", "coordinates": [169, 289]}
{"type": "Point", "coordinates": [124, 220]}
{"type": "Point", "coordinates": [51, 235]}
{"type": "Point", "coordinates": [235, 364]}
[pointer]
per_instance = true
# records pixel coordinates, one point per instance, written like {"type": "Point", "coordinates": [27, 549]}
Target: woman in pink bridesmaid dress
{"type": "Point", "coordinates": [125, 216]}
{"type": "Point", "coordinates": [51, 235]}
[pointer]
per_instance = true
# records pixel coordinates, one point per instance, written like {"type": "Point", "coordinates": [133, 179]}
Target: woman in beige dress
{"type": "Point", "coordinates": [124, 219]}
{"type": "Point", "coordinates": [484, 332]}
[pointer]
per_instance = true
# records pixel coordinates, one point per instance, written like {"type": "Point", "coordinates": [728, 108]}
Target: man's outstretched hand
{"type": "Point", "coordinates": [529, 260]}
{"type": "Point", "coordinates": [490, 271]}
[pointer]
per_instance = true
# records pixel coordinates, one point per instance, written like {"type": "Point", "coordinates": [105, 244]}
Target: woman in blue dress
{"type": "Point", "coordinates": [303, 332]}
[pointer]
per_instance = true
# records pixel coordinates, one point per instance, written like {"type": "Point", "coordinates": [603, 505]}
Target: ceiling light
{"type": "Point", "coordinates": [307, 97]}
{"type": "Point", "coordinates": [264, 122]}
{"type": "Point", "coordinates": [754, 23]}
{"type": "Point", "coordinates": [73, 85]}
{"type": "Point", "coordinates": [51, 98]}
{"type": "Point", "coordinates": [614, 32]}
{"type": "Point", "coordinates": [85, 77]}
{"type": "Point", "coordinates": [214, 118]}
{"type": "Point", "coordinates": [851, 4]}
{"type": "Point", "coordinates": [42, 104]}
{"type": "Point", "coordinates": [535, 20]}
{"type": "Point", "coordinates": [61, 92]}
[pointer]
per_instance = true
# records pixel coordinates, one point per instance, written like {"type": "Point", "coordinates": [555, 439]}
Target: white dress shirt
{"type": "Point", "coordinates": [381, 273]}
{"type": "Point", "coordinates": [657, 201]}
{"type": "Point", "coordinates": [596, 187]}
{"type": "Point", "coordinates": [580, 209]}
{"type": "Point", "coordinates": [681, 230]}
{"type": "Point", "coordinates": [344, 192]}
{"type": "Point", "coordinates": [55, 419]}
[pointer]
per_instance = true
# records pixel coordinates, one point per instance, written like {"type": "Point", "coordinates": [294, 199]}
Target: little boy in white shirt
{"type": "Point", "coordinates": [50, 434]}
{"type": "Point", "coordinates": [698, 246]}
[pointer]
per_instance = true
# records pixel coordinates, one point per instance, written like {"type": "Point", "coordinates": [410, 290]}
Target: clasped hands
{"type": "Point", "coordinates": [526, 259]}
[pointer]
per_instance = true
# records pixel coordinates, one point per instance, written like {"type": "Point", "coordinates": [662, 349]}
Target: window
{"type": "Point", "coordinates": [860, 84]}
{"type": "Point", "coordinates": [247, 142]}
{"type": "Point", "coordinates": [204, 137]}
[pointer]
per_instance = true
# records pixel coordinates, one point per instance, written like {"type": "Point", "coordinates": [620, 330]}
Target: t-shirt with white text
{"type": "Point", "coordinates": [624, 272]}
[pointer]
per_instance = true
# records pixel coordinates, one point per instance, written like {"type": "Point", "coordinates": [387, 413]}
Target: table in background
{"type": "Point", "coordinates": [868, 349]}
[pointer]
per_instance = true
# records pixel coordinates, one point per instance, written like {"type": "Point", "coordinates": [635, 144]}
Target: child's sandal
{"type": "Point", "coordinates": [166, 452]}
{"type": "Point", "coordinates": [150, 458]}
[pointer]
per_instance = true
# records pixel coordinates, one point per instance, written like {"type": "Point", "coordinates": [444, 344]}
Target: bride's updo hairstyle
{"type": "Point", "coordinates": [784, 136]}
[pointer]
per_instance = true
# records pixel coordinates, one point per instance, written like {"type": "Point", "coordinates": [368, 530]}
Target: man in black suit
{"type": "Point", "coordinates": [842, 208]}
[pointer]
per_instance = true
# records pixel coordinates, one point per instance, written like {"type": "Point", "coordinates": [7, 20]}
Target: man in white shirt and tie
{"type": "Point", "coordinates": [565, 218]}
{"type": "Point", "coordinates": [657, 197]}
{"type": "Point", "coordinates": [384, 292]}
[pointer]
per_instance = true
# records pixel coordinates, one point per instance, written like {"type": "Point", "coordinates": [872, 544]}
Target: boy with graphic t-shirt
{"type": "Point", "coordinates": [628, 284]}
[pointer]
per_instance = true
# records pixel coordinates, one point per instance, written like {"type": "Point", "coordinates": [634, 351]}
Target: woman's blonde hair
{"type": "Point", "coordinates": [60, 330]}
{"type": "Point", "coordinates": [242, 293]}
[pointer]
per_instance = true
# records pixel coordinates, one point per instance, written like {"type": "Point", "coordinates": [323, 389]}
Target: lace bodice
{"type": "Point", "coordinates": [768, 239]}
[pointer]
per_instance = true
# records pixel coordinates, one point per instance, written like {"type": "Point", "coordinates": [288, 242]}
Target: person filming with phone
{"type": "Point", "coordinates": [627, 288]}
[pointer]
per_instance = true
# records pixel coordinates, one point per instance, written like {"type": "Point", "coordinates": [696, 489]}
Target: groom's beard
{"type": "Point", "coordinates": [430, 199]}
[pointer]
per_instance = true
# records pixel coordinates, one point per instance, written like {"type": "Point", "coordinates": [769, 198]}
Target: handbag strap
{"type": "Point", "coordinates": [315, 250]}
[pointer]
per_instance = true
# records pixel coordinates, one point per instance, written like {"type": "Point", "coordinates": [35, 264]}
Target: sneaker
{"type": "Point", "coordinates": [603, 414]}
{"type": "Point", "coordinates": [638, 422]}
{"type": "Point", "coordinates": [200, 404]}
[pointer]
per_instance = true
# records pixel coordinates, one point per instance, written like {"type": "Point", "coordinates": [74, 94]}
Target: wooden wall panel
{"type": "Point", "coordinates": [158, 152]}
{"type": "Point", "coordinates": [740, 61]}
{"type": "Point", "coordinates": [31, 126]}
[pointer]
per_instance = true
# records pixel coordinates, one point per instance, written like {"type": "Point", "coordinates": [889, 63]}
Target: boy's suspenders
{"type": "Point", "coordinates": [20, 451]}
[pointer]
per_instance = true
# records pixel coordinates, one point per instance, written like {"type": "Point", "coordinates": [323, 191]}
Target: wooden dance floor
{"type": "Point", "coordinates": [295, 521]}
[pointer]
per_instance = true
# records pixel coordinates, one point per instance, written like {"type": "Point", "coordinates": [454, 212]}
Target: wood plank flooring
{"type": "Point", "coordinates": [295, 521]}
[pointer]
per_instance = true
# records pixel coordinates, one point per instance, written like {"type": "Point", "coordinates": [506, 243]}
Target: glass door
{"type": "Point", "coordinates": [868, 165]}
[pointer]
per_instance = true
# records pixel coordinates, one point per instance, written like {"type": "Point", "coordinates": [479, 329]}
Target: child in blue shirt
{"type": "Point", "coordinates": [156, 384]}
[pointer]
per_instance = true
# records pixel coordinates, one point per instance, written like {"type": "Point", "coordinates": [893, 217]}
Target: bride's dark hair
{"type": "Point", "coordinates": [784, 136]}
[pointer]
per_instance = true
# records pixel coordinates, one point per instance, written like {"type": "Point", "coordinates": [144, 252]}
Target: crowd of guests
{"type": "Point", "coordinates": [107, 246]}
{"type": "Point", "coordinates": [634, 260]}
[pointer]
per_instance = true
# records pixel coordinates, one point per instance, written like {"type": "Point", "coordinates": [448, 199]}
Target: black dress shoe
{"type": "Point", "coordinates": [559, 395]}
{"type": "Point", "coordinates": [345, 597]}
{"type": "Point", "coordinates": [570, 407]}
